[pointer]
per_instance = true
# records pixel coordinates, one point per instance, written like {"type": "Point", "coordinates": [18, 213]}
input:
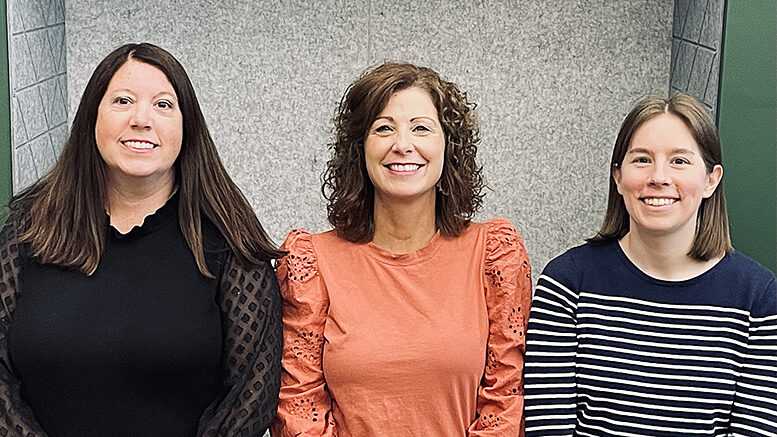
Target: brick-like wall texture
{"type": "Point", "coordinates": [36, 52]}
{"type": "Point", "coordinates": [696, 43]}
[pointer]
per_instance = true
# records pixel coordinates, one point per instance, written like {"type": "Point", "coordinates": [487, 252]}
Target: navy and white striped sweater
{"type": "Point", "coordinates": [612, 351]}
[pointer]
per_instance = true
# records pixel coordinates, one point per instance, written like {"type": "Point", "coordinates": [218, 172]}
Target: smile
{"type": "Point", "coordinates": [136, 144]}
{"type": "Point", "coordinates": [658, 201]}
{"type": "Point", "coordinates": [404, 167]}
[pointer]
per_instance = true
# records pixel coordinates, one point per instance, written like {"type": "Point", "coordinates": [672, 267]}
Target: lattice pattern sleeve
{"type": "Point", "coordinates": [251, 319]}
{"type": "Point", "coordinates": [508, 296]}
{"type": "Point", "coordinates": [16, 418]}
{"type": "Point", "coordinates": [305, 403]}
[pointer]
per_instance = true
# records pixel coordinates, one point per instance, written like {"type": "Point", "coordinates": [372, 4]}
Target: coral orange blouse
{"type": "Point", "coordinates": [429, 343]}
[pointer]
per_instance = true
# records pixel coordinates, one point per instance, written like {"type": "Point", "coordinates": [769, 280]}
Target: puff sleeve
{"type": "Point", "coordinates": [508, 295]}
{"type": "Point", "coordinates": [16, 418]}
{"type": "Point", "coordinates": [305, 403]}
{"type": "Point", "coordinates": [251, 322]}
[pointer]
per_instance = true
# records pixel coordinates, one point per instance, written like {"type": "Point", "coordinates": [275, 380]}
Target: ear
{"type": "Point", "coordinates": [713, 179]}
{"type": "Point", "coordinates": [615, 174]}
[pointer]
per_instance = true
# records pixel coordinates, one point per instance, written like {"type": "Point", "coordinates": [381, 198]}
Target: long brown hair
{"type": "Point", "coordinates": [347, 186]}
{"type": "Point", "coordinates": [712, 234]}
{"type": "Point", "coordinates": [67, 206]}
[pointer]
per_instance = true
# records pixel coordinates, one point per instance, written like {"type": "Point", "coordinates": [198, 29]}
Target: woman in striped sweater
{"type": "Point", "coordinates": [656, 326]}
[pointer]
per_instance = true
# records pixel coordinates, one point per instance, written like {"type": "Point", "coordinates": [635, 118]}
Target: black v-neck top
{"type": "Point", "coordinates": [132, 350]}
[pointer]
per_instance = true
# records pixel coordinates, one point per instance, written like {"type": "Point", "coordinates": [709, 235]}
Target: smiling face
{"type": "Point", "coordinates": [139, 125]}
{"type": "Point", "coordinates": [663, 178]}
{"type": "Point", "coordinates": [405, 147]}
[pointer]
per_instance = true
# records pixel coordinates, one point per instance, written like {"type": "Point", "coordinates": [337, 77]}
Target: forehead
{"type": "Point", "coordinates": [413, 101]}
{"type": "Point", "coordinates": [138, 76]}
{"type": "Point", "coordinates": [664, 132]}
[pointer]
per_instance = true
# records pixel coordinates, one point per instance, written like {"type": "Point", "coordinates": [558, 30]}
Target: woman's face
{"type": "Point", "coordinates": [139, 125]}
{"type": "Point", "coordinates": [405, 148]}
{"type": "Point", "coordinates": [663, 178]}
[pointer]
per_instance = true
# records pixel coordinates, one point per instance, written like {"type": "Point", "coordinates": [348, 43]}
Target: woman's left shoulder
{"type": "Point", "coordinates": [744, 270]}
{"type": "Point", "coordinates": [502, 239]}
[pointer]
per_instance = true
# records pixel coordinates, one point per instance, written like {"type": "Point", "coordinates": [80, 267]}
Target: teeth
{"type": "Point", "coordinates": [404, 167]}
{"type": "Point", "coordinates": [139, 144]}
{"type": "Point", "coordinates": [658, 201]}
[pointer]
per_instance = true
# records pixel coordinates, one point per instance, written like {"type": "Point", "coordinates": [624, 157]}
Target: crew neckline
{"type": "Point", "coordinates": [417, 256]}
{"type": "Point", "coordinates": [663, 282]}
{"type": "Point", "coordinates": [151, 222]}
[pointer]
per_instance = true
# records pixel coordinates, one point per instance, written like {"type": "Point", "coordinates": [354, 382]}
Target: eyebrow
{"type": "Point", "coordinates": [126, 90]}
{"type": "Point", "coordinates": [679, 150]}
{"type": "Point", "coordinates": [389, 118]}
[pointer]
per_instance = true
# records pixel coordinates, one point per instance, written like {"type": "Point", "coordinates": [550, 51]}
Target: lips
{"type": "Point", "coordinates": [658, 201]}
{"type": "Point", "coordinates": [404, 167]}
{"type": "Point", "coordinates": [140, 144]}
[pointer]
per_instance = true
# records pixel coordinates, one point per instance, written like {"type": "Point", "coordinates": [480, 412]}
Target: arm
{"type": "Point", "coordinates": [754, 412]}
{"type": "Point", "coordinates": [16, 418]}
{"type": "Point", "coordinates": [250, 311]}
{"type": "Point", "coordinates": [551, 393]}
{"type": "Point", "coordinates": [508, 296]}
{"type": "Point", "coordinates": [305, 403]}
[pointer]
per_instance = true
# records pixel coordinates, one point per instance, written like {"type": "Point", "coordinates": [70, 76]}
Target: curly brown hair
{"type": "Point", "coordinates": [347, 186]}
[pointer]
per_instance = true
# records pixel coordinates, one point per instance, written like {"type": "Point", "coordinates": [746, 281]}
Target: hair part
{"type": "Point", "coordinates": [67, 220]}
{"type": "Point", "coordinates": [347, 186]}
{"type": "Point", "coordinates": [712, 231]}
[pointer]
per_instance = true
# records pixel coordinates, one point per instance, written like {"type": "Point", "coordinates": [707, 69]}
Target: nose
{"type": "Point", "coordinates": [141, 118]}
{"type": "Point", "coordinates": [659, 176]}
{"type": "Point", "coordinates": [403, 143]}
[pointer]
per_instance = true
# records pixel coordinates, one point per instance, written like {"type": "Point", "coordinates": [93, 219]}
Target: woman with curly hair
{"type": "Point", "coordinates": [407, 318]}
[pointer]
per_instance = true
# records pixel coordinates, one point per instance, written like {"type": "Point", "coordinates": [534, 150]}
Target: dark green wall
{"type": "Point", "coordinates": [6, 178]}
{"type": "Point", "coordinates": [747, 121]}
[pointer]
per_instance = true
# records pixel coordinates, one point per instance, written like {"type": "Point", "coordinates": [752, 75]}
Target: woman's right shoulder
{"type": "Point", "coordinates": [570, 266]}
{"type": "Point", "coordinates": [17, 215]}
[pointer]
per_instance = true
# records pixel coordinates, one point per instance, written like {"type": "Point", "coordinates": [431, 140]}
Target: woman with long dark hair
{"type": "Point", "coordinates": [137, 294]}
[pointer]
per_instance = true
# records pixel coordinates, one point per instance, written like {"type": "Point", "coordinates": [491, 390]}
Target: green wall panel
{"type": "Point", "coordinates": [6, 175]}
{"type": "Point", "coordinates": [747, 120]}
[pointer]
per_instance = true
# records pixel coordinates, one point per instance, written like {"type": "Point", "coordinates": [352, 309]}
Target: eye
{"type": "Point", "coordinates": [122, 100]}
{"type": "Point", "coordinates": [641, 160]}
{"type": "Point", "coordinates": [164, 104]}
{"type": "Point", "coordinates": [421, 128]}
{"type": "Point", "coordinates": [384, 128]}
{"type": "Point", "coordinates": [680, 161]}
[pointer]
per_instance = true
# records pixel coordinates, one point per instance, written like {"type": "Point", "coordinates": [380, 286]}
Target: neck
{"type": "Point", "coordinates": [403, 227]}
{"type": "Point", "coordinates": [664, 256]}
{"type": "Point", "coordinates": [130, 201]}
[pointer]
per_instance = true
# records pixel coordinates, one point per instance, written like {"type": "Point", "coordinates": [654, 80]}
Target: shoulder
{"type": "Point", "coordinates": [502, 241]}
{"type": "Point", "coordinates": [501, 236]}
{"type": "Point", "coordinates": [15, 220]}
{"type": "Point", "coordinates": [570, 267]}
{"type": "Point", "coordinates": [746, 277]}
{"type": "Point", "coordinates": [742, 266]}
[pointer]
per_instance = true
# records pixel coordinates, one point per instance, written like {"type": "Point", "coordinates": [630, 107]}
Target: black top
{"type": "Point", "coordinates": [132, 350]}
{"type": "Point", "coordinates": [146, 346]}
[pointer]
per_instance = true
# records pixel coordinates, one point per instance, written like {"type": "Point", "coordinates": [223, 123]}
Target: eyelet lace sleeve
{"type": "Point", "coordinates": [16, 418]}
{"type": "Point", "coordinates": [305, 403]}
{"type": "Point", "coordinates": [251, 322]}
{"type": "Point", "coordinates": [508, 296]}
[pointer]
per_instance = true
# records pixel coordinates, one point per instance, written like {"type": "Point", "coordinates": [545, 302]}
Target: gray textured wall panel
{"type": "Point", "coordinates": [696, 43]}
{"type": "Point", "coordinates": [38, 105]}
{"type": "Point", "coordinates": [552, 79]}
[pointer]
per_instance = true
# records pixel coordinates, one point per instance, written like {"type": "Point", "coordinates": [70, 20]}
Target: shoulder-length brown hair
{"type": "Point", "coordinates": [712, 235]}
{"type": "Point", "coordinates": [67, 206]}
{"type": "Point", "coordinates": [347, 186]}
